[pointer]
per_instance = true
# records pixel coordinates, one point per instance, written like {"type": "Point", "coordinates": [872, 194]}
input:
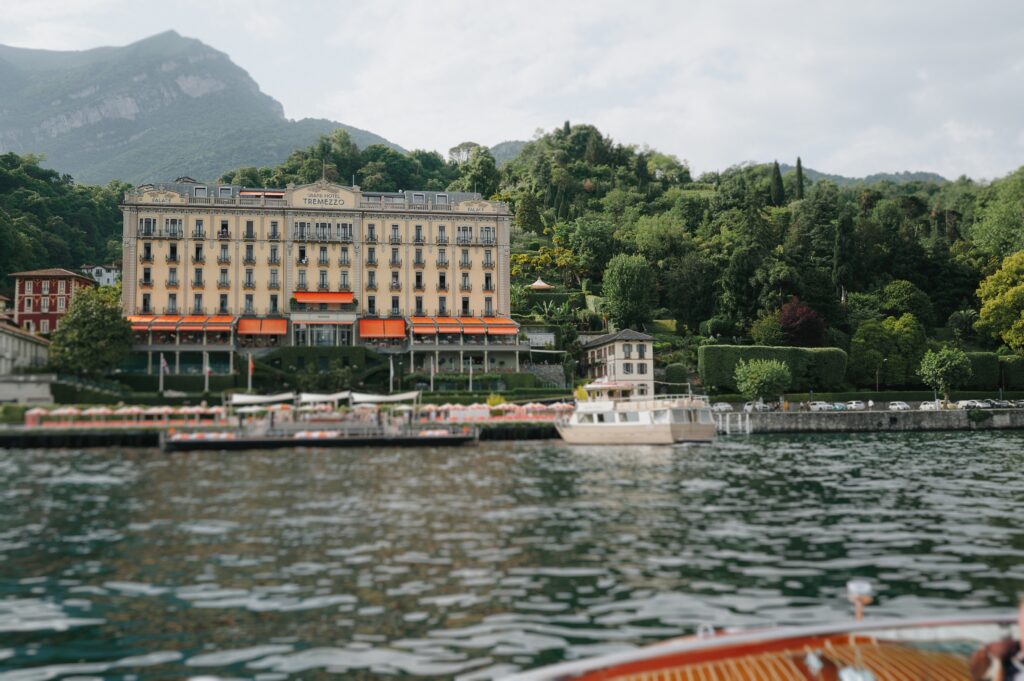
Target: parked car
{"type": "Point", "coordinates": [821, 406]}
{"type": "Point", "coordinates": [721, 406]}
{"type": "Point", "coordinates": [929, 406]}
{"type": "Point", "coordinates": [839, 406]}
{"type": "Point", "coordinates": [856, 405]}
{"type": "Point", "coordinates": [969, 404]}
{"type": "Point", "coordinates": [1000, 404]}
{"type": "Point", "coordinates": [756, 406]}
{"type": "Point", "coordinates": [899, 406]}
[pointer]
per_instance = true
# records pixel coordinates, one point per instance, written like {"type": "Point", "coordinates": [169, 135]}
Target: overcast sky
{"type": "Point", "coordinates": [853, 88]}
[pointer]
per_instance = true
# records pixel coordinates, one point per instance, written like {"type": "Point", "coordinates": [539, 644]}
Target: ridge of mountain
{"type": "Point", "coordinates": [902, 177]}
{"type": "Point", "coordinates": [155, 109]}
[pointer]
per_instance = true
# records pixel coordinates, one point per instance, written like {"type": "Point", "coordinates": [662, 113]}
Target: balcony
{"type": "Point", "coordinates": [442, 262]}
{"type": "Point", "coordinates": [395, 312]}
{"type": "Point", "coordinates": [323, 262]}
{"type": "Point", "coordinates": [442, 239]}
{"type": "Point", "coordinates": [273, 260]}
{"type": "Point", "coordinates": [489, 288]}
{"type": "Point", "coordinates": [371, 238]}
{"type": "Point", "coordinates": [249, 236]}
{"type": "Point", "coordinates": [395, 239]}
{"type": "Point", "coordinates": [198, 283]}
{"type": "Point", "coordinates": [465, 286]}
{"type": "Point", "coordinates": [223, 283]}
{"type": "Point", "coordinates": [146, 283]}
{"type": "Point", "coordinates": [488, 264]}
{"type": "Point", "coordinates": [222, 310]}
{"type": "Point", "coordinates": [198, 234]}
{"type": "Point", "coordinates": [372, 286]}
{"type": "Point", "coordinates": [146, 257]}
{"type": "Point", "coordinates": [418, 286]}
{"type": "Point", "coordinates": [419, 263]}
{"type": "Point", "coordinates": [147, 233]}
{"type": "Point", "coordinates": [345, 237]}
{"type": "Point", "coordinates": [249, 284]}
{"type": "Point", "coordinates": [198, 259]}
{"type": "Point", "coordinates": [345, 288]}
{"type": "Point", "coordinates": [344, 262]}
{"type": "Point", "coordinates": [249, 260]}
{"type": "Point", "coordinates": [301, 261]}
{"type": "Point", "coordinates": [171, 309]}
{"type": "Point", "coordinates": [224, 234]}
{"type": "Point", "coordinates": [396, 286]}
{"type": "Point", "coordinates": [171, 283]}
{"type": "Point", "coordinates": [323, 286]}
{"type": "Point", "coordinates": [301, 286]}
{"type": "Point", "coordinates": [197, 310]}
{"type": "Point", "coordinates": [395, 262]}
{"type": "Point", "coordinates": [442, 286]}
{"type": "Point", "coordinates": [145, 309]}
{"type": "Point", "coordinates": [464, 240]}
{"type": "Point", "coordinates": [223, 259]}
{"type": "Point", "coordinates": [487, 240]}
{"type": "Point", "coordinates": [171, 258]}
{"type": "Point", "coordinates": [175, 233]}
{"type": "Point", "coordinates": [418, 239]}
{"type": "Point", "coordinates": [274, 285]}
{"type": "Point", "coordinates": [299, 235]}
{"type": "Point", "coordinates": [372, 262]}
{"type": "Point", "coordinates": [465, 262]}
{"type": "Point", "coordinates": [275, 236]}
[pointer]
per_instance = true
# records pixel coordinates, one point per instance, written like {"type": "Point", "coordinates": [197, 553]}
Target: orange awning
{"type": "Point", "coordinates": [470, 320]}
{"type": "Point", "coordinates": [262, 327]}
{"type": "Point", "coordinates": [382, 328]}
{"type": "Point", "coordinates": [140, 322]}
{"type": "Point", "coordinates": [190, 327]}
{"type": "Point", "coordinates": [449, 329]}
{"type": "Point", "coordinates": [424, 330]}
{"type": "Point", "coordinates": [342, 298]}
{"type": "Point", "coordinates": [166, 322]}
{"type": "Point", "coordinates": [192, 323]}
{"type": "Point", "coordinates": [472, 329]}
{"type": "Point", "coordinates": [502, 330]}
{"type": "Point", "coordinates": [220, 323]}
{"type": "Point", "coordinates": [248, 327]}
{"type": "Point", "coordinates": [421, 320]}
{"type": "Point", "coordinates": [498, 321]}
{"type": "Point", "coordinates": [450, 321]}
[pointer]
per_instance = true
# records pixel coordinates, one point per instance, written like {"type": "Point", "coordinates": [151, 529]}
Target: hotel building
{"type": "Point", "coordinates": [42, 297]}
{"type": "Point", "coordinates": [214, 268]}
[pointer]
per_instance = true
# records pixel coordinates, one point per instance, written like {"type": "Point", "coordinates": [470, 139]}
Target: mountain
{"type": "Point", "coordinates": [504, 152]}
{"type": "Point", "coordinates": [154, 110]}
{"type": "Point", "coordinates": [896, 178]}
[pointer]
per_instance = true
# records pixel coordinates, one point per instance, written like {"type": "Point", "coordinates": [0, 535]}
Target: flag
{"type": "Point", "coordinates": [164, 368]}
{"type": "Point", "coordinates": [251, 366]}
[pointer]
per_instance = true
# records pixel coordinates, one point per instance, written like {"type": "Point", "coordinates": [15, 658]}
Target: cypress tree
{"type": "Point", "coordinates": [799, 178]}
{"type": "Point", "coordinates": [778, 192]}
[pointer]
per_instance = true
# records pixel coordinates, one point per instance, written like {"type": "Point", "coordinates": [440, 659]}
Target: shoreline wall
{"type": "Point", "coordinates": [885, 421]}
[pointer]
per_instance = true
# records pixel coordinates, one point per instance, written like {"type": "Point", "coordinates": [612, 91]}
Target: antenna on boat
{"type": "Point", "coordinates": [860, 593]}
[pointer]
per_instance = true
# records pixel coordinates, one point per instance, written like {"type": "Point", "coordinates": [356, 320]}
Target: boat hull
{"type": "Point", "coordinates": [627, 434]}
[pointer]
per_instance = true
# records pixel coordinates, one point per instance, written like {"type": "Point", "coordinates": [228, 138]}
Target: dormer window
{"type": "Point", "coordinates": [200, 192]}
{"type": "Point", "coordinates": [225, 192]}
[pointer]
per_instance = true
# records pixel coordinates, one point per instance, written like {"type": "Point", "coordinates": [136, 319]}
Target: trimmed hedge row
{"type": "Point", "coordinates": [812, 368]}
{"type": "Point", "coordinates": [1012, 370]}
{"type": "Point", "coordinates": [984, 371]}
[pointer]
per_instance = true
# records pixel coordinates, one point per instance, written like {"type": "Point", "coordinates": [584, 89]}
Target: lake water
{"type": "Point", "coordinates": [476, 562]}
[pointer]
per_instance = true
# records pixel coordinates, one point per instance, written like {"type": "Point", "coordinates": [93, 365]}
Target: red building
{"type": "Point", "coordinates": [42, 297]}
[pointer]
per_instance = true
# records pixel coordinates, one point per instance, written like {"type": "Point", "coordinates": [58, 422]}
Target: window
{"type": "Point", "coordinates": [371, 279]}
{"type": "Point", "coordinates": [465, 306]}
{"type": "Point", "coordinates": [249, 281]}
{"type": "Point", "coordinates": [323, 256]}
{"type": "Point", "coordinates": [248, 303]}
{"type": "Point", "coordinates": [172, 256]}
{"type": "Point", "coordinates": [172, 276]}
{"type": "Point", "coordinates": [371, 305]}
{"type": "Point", "coordinates": [394, 306]}
{"type": "Point", "coordinates": [323, 230]}
{"type": "Point", "coordinates": [323, 279]}
{"type": "Point", "coordinates": [223, 303]}
{"type": "Point", "coordinates": [442, 281]}
{"type": "Point", "coordinates": [301, 230]}
{"type": "Point", "coordinates": [225, 191]}
{"type": "Point", "coordinates": [394, 234]}
{"type": "Point", "coordinates": [302, 255]}
{"type": "Point", "coordinates": [394, 257]}
{"type": "Point", "coordinates": [488, 282]}
{"type": "Point", "coordinates": [442, 238]}
{"type": "Point", "coordinates": [487, 258]}
{"type": "Point", "coordinates": [28, 288]}
{"type": "Point", "coordinates": [442, 257]}
{"type": "Point", "coordinates": [302, 278]}
{"type": "Point", "coordinates": [224, 253]}
{"type": "Point", "coordinates": [274, 283]}
{"type": "Point", "coordinates": [488, 307]}
{"type": "Point", "coordinates": [198, 276]}
{"type": "Point", "coordinates": [224, 231]}
{"type": "Point", "coordinates": [419, 256]}
{"type": "Point", "coordinates": [371, 232]}
{"type": "Point", "coordinates": [147, 226]}
{"type": "Point", "coordinates": [641, 350]}
{"type": "Point", "coordinates": [442, 306]}
{"type": "Point", "coordinates": [61, 304]}
{"type": "Point", "coordinates": [28, 326]}
{"type": "Point", "coordinates": [344, 255]}
{"type": "Point", "coordinates": [249, 255]}
{"type": "Point", "coordinates": [223, 276]}
{"type": "Point", "coordinates": [419, 234]}
{"type": "Point", "coordinates": [419, 281]}
{"type": "Point", "coordinates": [147, 275]}
{"type": "Point", "coordinates": [273, 304]}
{"type": "Point", "coordinates": [45, 286]}
{"type": "Point", "coordinates": [44, 305]}
{"type": "Point", "coordinates": [197, 302]}
{"type": "Point", "coordinates": [198, 232]}
{"type": "Point", "coordinates": [199, 253]}
{"type": "Point", "coordinates": [464, 260]}
{"type": "Point", "coordinates": [419, 304]}
{"type": "Point", "coordinates": [465, 280]}
{"type": "Point", "coordinates": [417, 198]}
{"type": "Point", "coordinates": [172, 303]}
{"type": "Point", "coordinates": [173, 227]}
{"type": "Point", "coordinates": [627, 349]}
{"type": "Point", "coordinates": [273, 230]}
{"type": "Point", "coordinates": [200, 192]}
{"type": "Point", "coordinates": [641, 367]}
{"type": "Point", "coordinates": [394, 279]}
{"type": "Point", "coordinates": [344, 280]}
{"type": "Point", "coordinates": [371, 256]}
{"type": "Point", "coordinates": [627, 367]}
{"type": "Point", "coordinates": [275, 256]}
{"type": "Point", "coordinates": [44, 326]}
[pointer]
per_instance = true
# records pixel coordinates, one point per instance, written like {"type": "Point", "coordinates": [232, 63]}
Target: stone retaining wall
{"type": "Point", "coordinates": [882, 421]}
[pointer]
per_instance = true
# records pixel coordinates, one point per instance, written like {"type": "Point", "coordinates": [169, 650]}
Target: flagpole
{"type": "Point", "coordinates": [206, 372]}
{"type": "Point", "coordinates": [250, 373]}
{"type": "Point", "coordinates": [161, 388]}
{"type": "Point", "coordinates": [470, 374]}
{"type": "Point", "coordinates": [431, 373]}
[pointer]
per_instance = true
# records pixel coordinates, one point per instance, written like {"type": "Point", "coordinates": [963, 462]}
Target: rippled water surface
{"type": "Point", "coordinates": [476, 562]}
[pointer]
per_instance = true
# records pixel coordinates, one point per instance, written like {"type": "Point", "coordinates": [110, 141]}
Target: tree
{"type": "Point", "coordinates": [93, 338]}
{"type": "Point", "coordinates": [629, 290]}
{"type": "Point", "coordinates": [801, 325]}
{"type": "Point", "coordinates": [778, 192]}
{"type": "Point", "coordinates": [768, 330]}
{"type": "Point", "coordinates": [999, 232]}
{"type": "Point", "coordinates": [335, 377]}
{"type": "Point", "coordinates": [1002, 303]}
{"type": "Point", "coordinates": [901, 297]}
{"type": "Point", "coordinates": [799, 178]}
{"type": "Point", "coordinates": [758, 379]}
{"type": "Point", "coordinates": [479, 174]}
{"type": "Point", "coordinates": [947, 368]}
{"type": "Point", "coordinates": [460, 153]}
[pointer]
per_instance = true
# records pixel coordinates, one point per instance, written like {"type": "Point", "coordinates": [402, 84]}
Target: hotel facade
{"type": "Point", "coordinates": [215, 268]}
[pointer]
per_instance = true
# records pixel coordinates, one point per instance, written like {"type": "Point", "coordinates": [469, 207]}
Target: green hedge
{"type": "Point", "coordinates": [485, 381]}
{"type": "Point", "coordinates": [676, 373]}
{"type": "Point", "coordinates": [984, 371]}
{"type": "Point", "coordinates": [812, 368]}
{"type": "Point", "coordinates": [1012, 370]}
{"type": "Point", "coordinates": [188, 384]}
{"type": "Point", "coordinates": [879, 397]}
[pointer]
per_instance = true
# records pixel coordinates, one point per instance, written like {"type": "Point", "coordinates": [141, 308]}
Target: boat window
{"type": "Point", "coordinates": [704, 416]}
{"type": "Point", "coordinates": [661, 416]}
{"type": "Point", "coordinates": [600, 418]}
{"type": "Point", "coordinates": [586, 418]}
{"type": "Point", "coordinates": [682, 416]}
{"type": "Point", "coordinates": [629, 417]}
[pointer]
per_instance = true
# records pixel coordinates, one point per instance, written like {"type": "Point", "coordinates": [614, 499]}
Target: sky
{"type": "Point", "coordinates": [853, 88]}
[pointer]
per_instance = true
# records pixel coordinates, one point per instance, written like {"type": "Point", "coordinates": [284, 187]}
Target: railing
{"type": "Point", "coordinates": [198, 234]}
{"type": "Point", "coordinates": [198, 310]}
{"type": "Point", "coordinates": [146, 257]}
{"type": "Point", "coordinates": [442, 287]}
{"type": "Point", "coordinates": [372, 286]}
{"type": "Point", "coordinates": [301, 286]}
{"type": "Point", "coordinates": [442, 239]}
{"type": "Point", "coordinates": [171, 309]}
{"type": "Point", "coordinates": [249, 260]}
{"type": "Point", "coordinates": [344, 262]}
{"type": "Point", "coordinates": [198, 283]}
{"type": "Point", "coordinates": [300, 235]}
{"type": "Point", "coordinates": [345, 237]}
{"type": "Point", "coordinates": [249, 284]}
{"type": "Point", "coordinates": [442, 262]}
{"type": "Point", "coordinates": [396, 286]}
{"type": "Point", "coordinates": [273, 260]}
{"type": "Point", "coordinates": [419, 239]}
{"type": "Point", "coordinates": [171, 258]}
{"type": "Point", "coordinates": [419, 263]}
{"type": "Point", "coordinates": [198, 259]}
{"type": "Point", "coordinates": [323, 262]}
{"type": "Point", "coordinates": [371, 238]}
{"type": "Point", "coordinates": [274, 285]}
{"type": "Point", "coordinates": [223, 259]}
{"type": "Point", "coordinates": [146, 283]}
{"type": "Point", "coordinates": [488, 264]}
{"type": "Point", "coordinates": [418, 287]}
{"type": "Point", "coordinates": [465, 263]}
{"type": "Point", "coordinates": [224, 234]}
{"type": "Point", "coordinates": [395, 239]}
{"type": "Point", "coordinates": [464, 286]}
{"type": "Point", "coordinates": [464, 240]}
{"type": "Point", "coordinates": [323, 286]}
{"type": "Point", "coordinates": [249, 236]}
{"type": "Point", "coordinates": [223, 283]}
{"type": "Point", "coordinates": [487, 240]}
{"type": "Point", "coordinates": [171, 283]}
{"type": "Point", "coordinates": [395, 262]}
{"type": "Point", "coordinates": [371, 261]}
{"type": "Point", "coordinates": [275, 236]}
{"type": "Point", "coordinates": [301, 261]}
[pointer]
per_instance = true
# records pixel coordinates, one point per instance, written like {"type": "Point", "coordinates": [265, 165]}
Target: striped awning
{"type": "Point", "coordinates": [382, 328]}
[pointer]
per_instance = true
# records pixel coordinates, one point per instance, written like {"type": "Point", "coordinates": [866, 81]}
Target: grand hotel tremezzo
{"type": "Point", "coordinates": [215, 268]}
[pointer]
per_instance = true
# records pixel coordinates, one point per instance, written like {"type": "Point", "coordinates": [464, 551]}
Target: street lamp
{"type": "Point", "coordinates": [878, 371]}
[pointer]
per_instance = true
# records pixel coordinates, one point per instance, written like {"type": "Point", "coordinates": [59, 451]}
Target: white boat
{"type": "Point", "coordinates": [613, 415]}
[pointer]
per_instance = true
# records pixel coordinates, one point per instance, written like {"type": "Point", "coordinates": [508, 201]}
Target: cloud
{"type": "Point", "coordinates": [853, 89]}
